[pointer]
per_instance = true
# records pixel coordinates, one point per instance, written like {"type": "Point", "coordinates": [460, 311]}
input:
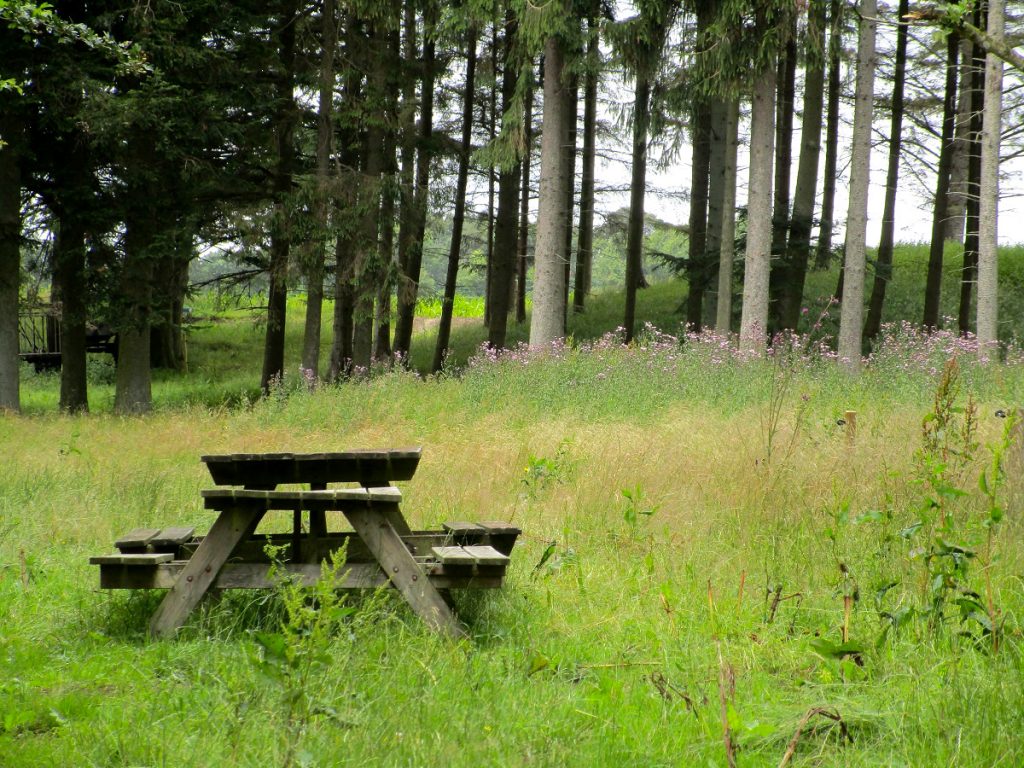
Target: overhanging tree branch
{"type": "Point", "coordinates": [953, 19]}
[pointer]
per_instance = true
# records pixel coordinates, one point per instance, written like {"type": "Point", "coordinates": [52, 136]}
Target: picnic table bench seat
{"type": "Point", "coordinates": [449, 564]}
{"type": "Point", "coordinates": [141, 540]}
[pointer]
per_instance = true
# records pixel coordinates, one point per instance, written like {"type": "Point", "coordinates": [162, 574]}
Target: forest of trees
{"type": "Point", "coordinates": [313, 141]}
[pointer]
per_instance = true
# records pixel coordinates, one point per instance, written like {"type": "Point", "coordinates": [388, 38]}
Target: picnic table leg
{"type": "Point", "coordinates": [202, 569]}
{"type": "Point", "coordinates": [404, 572]}
{"type": "Point", "coordinates": [393, 514]}
{"type": "Point", "coordinates": [317, 519]}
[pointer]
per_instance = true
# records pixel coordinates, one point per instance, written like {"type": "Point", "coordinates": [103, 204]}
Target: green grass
{"type": "Point", "coordinates": [608, 653]}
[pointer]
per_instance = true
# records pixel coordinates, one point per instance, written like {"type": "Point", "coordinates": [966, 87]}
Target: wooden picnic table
{"type": "Point", "coordinates": [381, 549]}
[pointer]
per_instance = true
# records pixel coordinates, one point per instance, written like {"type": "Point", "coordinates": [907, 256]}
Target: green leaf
{"type": "Point", "coordinates": [910, 530]}
{"type": "Point", "coordinates": [548, 552]}
{"type": "Point", "coordinates": [733, 718]}
{"type": "Point", "coordinates": [538, 662]}
{"type": "Point", "coordinates": [832, 650]}
{"type": "Point", "coordinates": [274, 645]}
{"type": "Point", "coordinates": [871, 516]}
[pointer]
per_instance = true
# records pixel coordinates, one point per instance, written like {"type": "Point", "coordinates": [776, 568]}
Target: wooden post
{"type": "Point", "coordinates": [202, 569]}
{"type": "Point", "coordinates": [851, 427]}
{"type": "Point", "coordinates": [401, 568]}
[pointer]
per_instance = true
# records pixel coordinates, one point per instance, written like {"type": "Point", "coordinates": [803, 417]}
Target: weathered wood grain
{"type": "Point", "coordinates": [255, 576]}
{"type": "Point", "coordinates": [499, 528]}
{"type": "Point", "coordinates": [486, 555]}
{"type": "Point", "coordinates": [172, 537]}
{"type": "Point", "coordinates": [453, 556]}
{"type": "Point", "coordinates": [461, 527]}
{"type": "Point", "coordinates": [368, 468]}
{"type": "Point", "coordinates": [231, 527]}
{"type": "Point", "coordinates": [136, 539]}
{"type": "Point", "coordinates": [470, 555]}
{"type": "Point", "coordinates": [144, 558]}
{"type": "Point", "coordinates": [405, 573]}
{"type": "Point", "coordinates": [319, 501]}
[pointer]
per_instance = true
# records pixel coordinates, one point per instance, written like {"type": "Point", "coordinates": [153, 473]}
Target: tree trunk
{"type": "Point", "coordinates": [387, 257]}
{"type": "Point", "coordinates": [786, 110]}
{"type": "Point", "coordinates": [988, 260]}
{"type": "Point", "coordinates": [757, 261]}
{"type": "Point", "coordinates": [280, 237]}
{"type": "Point", "coordinates": [828, 199]}
{"type": "Point", "coordinates": [883, 264]}
{"type": "Point", "coordinates": [406, 176]}
{"type": "Point", "coordinates": [933, 284]}
{"type": "Point", "coordinates": [716, 194]}
{"type": "Point", "coordinates": [549, 259]}
{"type": "Point", "coordinates": [386, 254]}
{"type": "Point", "coordinates": [851, 321]}
{"type": "Point", "coordinates": [723, 310]}
{"type": "Point", "coordinates": [345, 214]}
{"type": "Point", "coordinates": [793, 264]}
{"type": "Point", "coordinates": [166, 342]}
{"type": "Point", "coordinates": [637, 192]}
{"type": "Point", "coordinates": [976, 88]}
{"type": "Point", "coordinates": [503, 266]}
{"type": "Point", "coordinates": [409, 283]}
{"type": "Point", "coordinates": [492, 132]}
{"type": "Point", "coordinates": [344, 307]}
{"type": "Point", "coordinates": [10, 258]}
{"type": "Point", "coordinates": [569, 155]}
{"type": "Point", "coordinates": [324, 134]}
{"type": "Point", "coordinates": [956, 216]}
{"type": "Point", "coordinates": [69, 275]}
{"type": "Point", "coordinates": [133, 387]}
{"type": "Point", "coordinates": [585, 240]}
{"type": "Point", "coordinates": [697, 266]}
{"type": "Point", "coordinates": [459, 216]}
{"type": "Point", "coordinates": [367, 266]}
{"type": "Point", "coordinates": [146, 234]}
{"type": "Point", "coordinates": [524, 202]}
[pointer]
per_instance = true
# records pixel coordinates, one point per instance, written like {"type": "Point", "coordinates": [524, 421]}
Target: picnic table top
{"type": "Point", "coordinates": [367, 467]}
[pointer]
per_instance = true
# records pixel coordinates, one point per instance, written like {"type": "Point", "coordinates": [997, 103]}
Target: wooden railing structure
{"type": "Point", "coordinates": [39, 334]}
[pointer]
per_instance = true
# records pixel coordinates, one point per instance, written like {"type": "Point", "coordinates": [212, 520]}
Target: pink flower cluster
{"type": "Point", "coordinates": [904, 346]}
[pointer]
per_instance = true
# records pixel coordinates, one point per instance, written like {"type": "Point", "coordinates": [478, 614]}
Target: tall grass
{"type": "Point", "coordinates": [690, 517]}
{"type": "Point", "coordinates": [604, 653]}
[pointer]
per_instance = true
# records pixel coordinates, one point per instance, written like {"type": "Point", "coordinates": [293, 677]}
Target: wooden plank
{"type": "Point", "coordinates": [253, 550]}
{"type": "Point", "coordinates": [461, 527]}
{"type": "Point", "coordinates": [318, 519]}
{"type": "Point", "coordinates": [326, 501]}
{"type": "Point", "coordinates": [394, 516]}
{"type": "Point", "coordinates": [174, 536]}
{"type": "Point", "coordinates": [254, 576]}
{"type": "Point", "coordinates": [403, 570]}
{"type": "Point", "coordinates": [201, 570]}
{"type": "Point", "coordinates": [367, 467]}
{"type": "Point", "coordinates": [145, 558]}
{"type": "Point", "coordinates": [499, 528]}
{"type": "Point", "coordinates": [469, 555]}
{"type": "Point", "coordinates": [453, 556]}
{"type": "Point", "coordinates": [137, 538]}
{"type": "Point", "coordinates": [486, 555]}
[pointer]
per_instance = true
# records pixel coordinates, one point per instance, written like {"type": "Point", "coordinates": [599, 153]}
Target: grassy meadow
{"type": "Point", "coordinates": [708, 556]}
